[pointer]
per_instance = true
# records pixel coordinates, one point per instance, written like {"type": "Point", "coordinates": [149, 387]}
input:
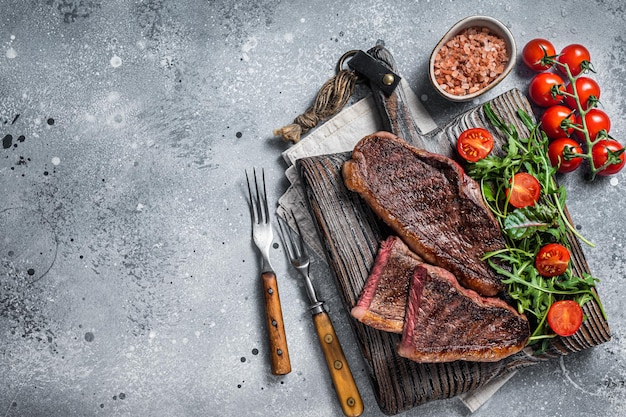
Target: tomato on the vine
{"type": "Point", "coordinates": [474, 144]}
{"type": "Point", "coordinates": [524, 191]}
{"type": "Point", "coordinates": [565, 317]}
{"type": "Point", "coordinates": [587, 89]}
{"type": "Point", "coordinates": [535, 52]}
{"type": "Point", "coordinates": [542, 86]}
{"type": "Point", "coordinates": [596, 121]}
{"type": "Point", "coordinates": [561, 153]}
{"type": "Point", "coordinates": [552, 260]}
{"type": "Point", "coordinates": [608, 151]}
{"type": "Point", "coordinates": [576, 57]}
{"type": "Point", "coordinates": [555, 118]}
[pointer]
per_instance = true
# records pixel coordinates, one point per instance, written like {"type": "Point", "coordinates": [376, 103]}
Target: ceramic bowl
{"type": "Point", "coordinates": [495, 27]}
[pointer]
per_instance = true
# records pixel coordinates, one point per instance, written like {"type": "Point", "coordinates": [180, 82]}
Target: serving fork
{"type": "Point", "coordinates": [345, 387]}
{"type": "Point", "coordinates": [262, 235]}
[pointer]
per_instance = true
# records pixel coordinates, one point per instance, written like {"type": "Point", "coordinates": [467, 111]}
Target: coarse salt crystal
{"type": "Point", "coordinates": [471, 61]}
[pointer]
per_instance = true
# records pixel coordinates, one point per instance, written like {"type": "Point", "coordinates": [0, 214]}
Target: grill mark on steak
{"type": "Point", "coordinates": [429, 202]}
{"type": "Point", "coordinates": [440, 320]}
{"type": "Point", "coordinates": [445, 322]}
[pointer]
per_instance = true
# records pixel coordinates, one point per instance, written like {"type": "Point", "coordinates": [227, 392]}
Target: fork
{"type": "Point", "coordinates": [345, 387]}
{"type": "Point", "coordinates": [262, 235]}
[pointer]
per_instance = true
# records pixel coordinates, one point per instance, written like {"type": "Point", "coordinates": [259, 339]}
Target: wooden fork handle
{"type": "Point", "coordinates": [345, 387]}
{"type": "Point", "coordinates": [279, 354]}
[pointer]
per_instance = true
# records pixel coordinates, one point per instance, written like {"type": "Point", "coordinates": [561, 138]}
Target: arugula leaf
{"type": "Point", "coordinates": [527, 229]}
{"type": "Point", "coordinates": [522, 223]}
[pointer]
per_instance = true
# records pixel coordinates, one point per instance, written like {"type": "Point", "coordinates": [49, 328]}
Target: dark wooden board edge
{"type": "Point", "coordinates": [351, 233]}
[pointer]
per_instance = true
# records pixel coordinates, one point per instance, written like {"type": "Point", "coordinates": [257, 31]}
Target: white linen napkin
{"type": "Point", "coordinates": [340, 134]}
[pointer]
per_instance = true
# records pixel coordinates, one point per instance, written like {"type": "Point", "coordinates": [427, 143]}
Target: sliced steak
{"type": "Point", "coordinates": [431, 204]}
{"type": "Point", "coordinates": [446, 322]}
{"type": "Point", "coordinates": [383, 299]}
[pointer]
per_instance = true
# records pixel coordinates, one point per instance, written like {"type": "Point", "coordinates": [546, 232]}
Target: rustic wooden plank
{"type": "Point", "coordinates": [351, 233]}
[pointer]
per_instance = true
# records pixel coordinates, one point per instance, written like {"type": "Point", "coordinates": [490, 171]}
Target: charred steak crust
{"type": "Point", "coordinates": [431, 204]}
{"type": "Point", "coordinates": [383, 299]}
{"type": "Point", "coordinates": [446, 322]}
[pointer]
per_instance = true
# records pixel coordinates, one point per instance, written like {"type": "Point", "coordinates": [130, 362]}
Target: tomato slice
{"type": "Point", "coordinates": [474, 144]}
{"type": "Point", "coordinates": [565, 317]}
{"type": "Point", "coordinates": [524, 190]}
{"type": "Point", "coordinates": [552, 260]}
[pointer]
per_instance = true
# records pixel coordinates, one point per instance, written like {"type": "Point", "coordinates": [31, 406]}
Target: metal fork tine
{"type": "Point", "coordinates": [291, 243]}
{"type": "Point", "coordinates": [257, 197]}
{"type": "Point", "coordinates": [266, 211]}
{"type": "Point", "coordinates": [285, 238]}
{"type": "Point", "coordinates": [345, 387]}
{"type": "Point", "coordinates": [251, 200]}
{"type": "Point", "coordinates": [301, 249]}
{"type": "Point", "coordinates": [262, 236]}
{"type": "Point", "coordinates": [259, 209]}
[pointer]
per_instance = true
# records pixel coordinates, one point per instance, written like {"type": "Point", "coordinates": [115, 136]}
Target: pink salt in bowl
{"type": "Point", "coordinates": [474, 56]}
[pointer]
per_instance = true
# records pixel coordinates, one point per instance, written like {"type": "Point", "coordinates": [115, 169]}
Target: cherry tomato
{"type": "Point", "coordinates": [596, 121]}
{"type": "Point", "coordinates": [565, 317]}
{"type": "Point", "coordinates": [604, 151]}
{"type": "Point", "coordinates": [536, 50]}
{"type": "Point", "coordinates": [576, 57]}
{"type": "Point", "coordinates": [541, 86]}
{"type": "Point", "coordinates": [524, 190]}
{"type": "Point", "coordinates": [474, 144]}
{"type": "Point", "coordinates": [552, 260]}
{"type": "Point", "coordinates": [586, 88]}
{"type": "Point", "coordinates": [552, 118]}
{"type": "Point", "coordinates": [560, 153]}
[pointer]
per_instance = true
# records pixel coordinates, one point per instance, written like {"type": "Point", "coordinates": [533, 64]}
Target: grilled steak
{"type": "Point", "coordinates": [382, 302]}
{"type": "Point", "coordinates": [431, 204]}
{"type": "Point", "coordinates": [446, 322]}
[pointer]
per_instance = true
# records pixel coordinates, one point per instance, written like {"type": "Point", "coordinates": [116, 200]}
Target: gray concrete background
{"type": "Point", "coordinates": [128, 282]}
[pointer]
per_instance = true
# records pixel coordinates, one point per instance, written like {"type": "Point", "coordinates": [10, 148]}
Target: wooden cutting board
{"type": "Point", "coordinates": [351, 233]}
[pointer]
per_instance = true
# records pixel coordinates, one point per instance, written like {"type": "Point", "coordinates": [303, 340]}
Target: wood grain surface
{"type": "Point", "coordinates": [338, 367]}
{"type": "Point", "coordinates": [279, 352]}
{"type": "Point", "coordinates": [351, 233]}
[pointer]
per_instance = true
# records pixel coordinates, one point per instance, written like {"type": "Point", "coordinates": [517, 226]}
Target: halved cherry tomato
{"type": "Point", "coordinates": [553, 117]}
{"type": "Point", "coordinates": [565, 317]}
{"type": "Point", "coordinates": [586, 88]}
{"type": "Point", "coordinates": [535, 51]}
{"type": "Point", "coordinates": [552, 260]}
{"type": "Point", "coordinates": [560, 152]}
{"type": "Point", "coordinates": [576, 57]}
{"type": "Point", "coordinates": [541, 87]}
{"type": "Point", "coordinates": [604, 151]}
{"type": "Point", "coordinates": [524, 190]}
{"type": "Point", "coordinates": [596, 121]}
{"type": "Point", "coordinates": [474, 144]}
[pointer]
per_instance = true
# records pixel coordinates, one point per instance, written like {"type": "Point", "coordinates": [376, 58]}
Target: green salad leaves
{"type": "Point", "coordinates": [529, 228]}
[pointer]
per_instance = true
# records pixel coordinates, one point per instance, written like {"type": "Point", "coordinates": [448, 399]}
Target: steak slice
{"type": "Point", "coordinates": [431, 204]}
{"type": "Point", "coordinates": [383, 299]}
{"type": "Point", "coordinates": [446, 322]}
